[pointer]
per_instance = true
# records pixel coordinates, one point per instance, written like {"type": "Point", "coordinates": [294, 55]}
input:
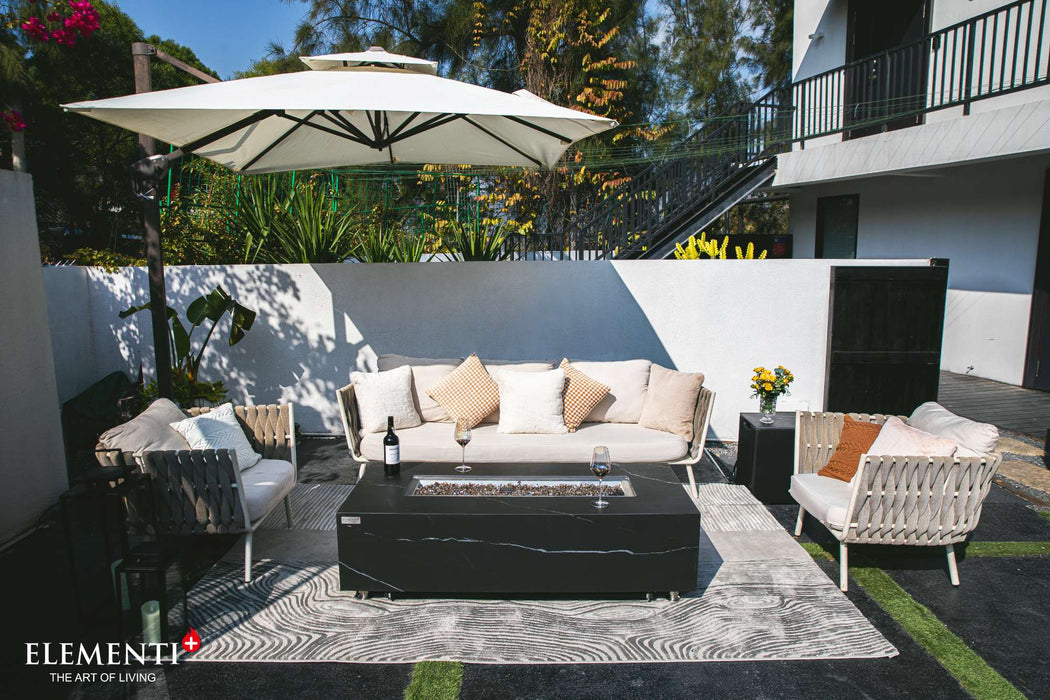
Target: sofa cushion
{"type": "Point", "coordinates": [823, 497]}
{"type": "Point", "coordinates": [382, 394]}
{"type": "Point", "coordinates": [265, 484]}
{"type": "Point", "coordinates": [855, 440]}
{"type": "Point", "coordinates": [582, 394]}
{"type": "Point", "coordinates": [219, 429]}
{"type": "Point", "coordinates": [627, 381]}
{"type": "Point", "coordinates": [148, 431]}
{"type": "Point", "coordinates": [896, 438]}
{"type": "Point", "coordinates": [495, 366]}
{"type": "Point", "coordinates": [670, 401]}
{"type": "Point", "coordinates": [468, 394]}
{"type": "Point", "coordinates": [426, 373]}
{"type": "Point", "coordinates": [432, 442]}
{"type": "Point", "coordinates": [972, 437]}
{"type": "Point", "coordinates": [531, 402]}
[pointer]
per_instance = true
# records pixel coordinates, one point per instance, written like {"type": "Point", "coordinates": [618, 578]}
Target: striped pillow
{"type": "Point", "coordinates": [468, 394]}
{"type": "Point", "coordinates": [582, 394]}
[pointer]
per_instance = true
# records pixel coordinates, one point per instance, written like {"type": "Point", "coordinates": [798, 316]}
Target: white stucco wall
{"type": "Point", "coordinates": [32, 461]}
{"type": "Point", "coordinates": [985, 219]}
{"type": "Point", "coordinates": [317, 323]}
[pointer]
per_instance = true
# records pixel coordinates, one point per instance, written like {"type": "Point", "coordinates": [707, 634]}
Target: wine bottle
{"type": "Point", "coordinates": [391, 449]}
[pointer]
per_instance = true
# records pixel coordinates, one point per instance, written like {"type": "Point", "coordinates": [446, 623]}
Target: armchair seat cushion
{"type": "Point", "coordinates": [266, 484]}
{"type": "Point", "coordinates": [823, 497]}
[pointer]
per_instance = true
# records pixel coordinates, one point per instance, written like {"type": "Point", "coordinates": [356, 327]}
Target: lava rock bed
{"type": "Point", "coordinates": [479, 488]}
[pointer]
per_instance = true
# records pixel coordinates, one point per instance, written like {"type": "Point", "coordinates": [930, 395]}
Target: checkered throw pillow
{"type": "Point", "coordinates": [582, 394]}
{"type": "Point", "coordinates": [468, 394]}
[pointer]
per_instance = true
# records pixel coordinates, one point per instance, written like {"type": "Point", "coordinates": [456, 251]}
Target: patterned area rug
{"type": "Point", "coordinates": [759, 597]}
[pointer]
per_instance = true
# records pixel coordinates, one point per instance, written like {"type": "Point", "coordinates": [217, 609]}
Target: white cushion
{"type": "Point", "coordinates": [426, 373]}
{"type": "Point", "coordinates": [383, 394]}
{"type": "Point", "coordinates": [433, 442]}
{"type": "Point", "coordinates": [219, 429]}
{"type": "Point", "coordinates": [493, 367]}
{"type": "Point", "coordinates": [824, 498]}
{"type": "Point", "coordinates": [148, 431]}
{"type": "Point", "coordinates": [531, 402]}
{"type": "Point", "coordinates": [972, 437]}
{"type": "Point", "coordinates": [627, 381]}
{"type": "Point", "coordinates": [266, 484]}
{"type": "Point", "coordinates": [896, 438]}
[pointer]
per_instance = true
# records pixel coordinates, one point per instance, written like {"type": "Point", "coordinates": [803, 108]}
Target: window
{"type": "Point", "coordinates": [837, 226]}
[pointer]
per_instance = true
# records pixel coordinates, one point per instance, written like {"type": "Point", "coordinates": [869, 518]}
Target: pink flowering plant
{"type": "Point", "coordinates": [60, 22]}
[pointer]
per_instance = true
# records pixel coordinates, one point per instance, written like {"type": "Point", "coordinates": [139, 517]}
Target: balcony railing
{"type": "Point", "coordinates": [994, 53]}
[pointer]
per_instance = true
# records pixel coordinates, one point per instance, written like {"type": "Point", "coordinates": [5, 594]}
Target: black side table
{"type": "Point", "coordinates": [766, 456]}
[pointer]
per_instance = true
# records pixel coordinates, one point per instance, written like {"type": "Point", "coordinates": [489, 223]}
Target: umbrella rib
{"type": "Point", "coordinates": [345, 123]}
{"type": "Point", "coordinates": [506, 143]}
{"type": "Point", "coordinates": [432, 123]}
{"type": "Point", "coordinates": [393, 135]}
{"type": "Point", "coordinates": [273, 144]}
{"type": "Point", "coordinates": [552, 134]}
{"type": "Point", "coordinates": [229, 129]}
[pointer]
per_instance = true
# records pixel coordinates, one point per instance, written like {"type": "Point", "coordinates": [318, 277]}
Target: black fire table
{"type": "Point", "coordinates": [394, 541]}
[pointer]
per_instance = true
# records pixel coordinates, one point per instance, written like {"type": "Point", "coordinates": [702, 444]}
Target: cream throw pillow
{"type": "Point", "coordinates": [426, 372]}
{"type": "Point", "coordinates": [382, 394]}
{"type": "Point", "coordinates": [468, 394]}
{"type": "Point", "coordinates": [494, 367]}
{"type": "Point", "coordinates": [627, 381]}
{"type": "Point", "coordinates": [670, 402]}
{"type": "Point", "coordinates": [582, 394]}
{"type": "Point", "coordinates": [531, 402]}
{"type": "Point", "coordinates": [219, 429]}
{"type": "Point", "coordinates": [973, 438]}
{"type": "Point", "coordinates": [898, 439]}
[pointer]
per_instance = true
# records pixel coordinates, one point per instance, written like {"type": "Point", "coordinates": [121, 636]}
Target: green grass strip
{"type": "Point", "coordinates": [435, 680]}
{"type": "Point", "coordinates": [1007, 549]}
{"type": "Point", "coordinates": [972, 672]}
{"type": "Point", "coordinates": [1045, 514]}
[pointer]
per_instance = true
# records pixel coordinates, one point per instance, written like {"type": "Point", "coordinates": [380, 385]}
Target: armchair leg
{"type": "Point", "coordinates": [288, 511]}
{"type": "Point", "coordinates": [248, 558]}
{"type": "Point", "coordinates": [693, 490]}
{"type": "Point", "coordinates": [843, 566]}
{"type": "Point", "coordinates": [798, 523]}
{"type": "Point", "coordinates": [953, 569]}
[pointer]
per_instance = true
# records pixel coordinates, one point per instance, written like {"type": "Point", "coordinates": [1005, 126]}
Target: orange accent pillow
{"type": "Point", "coordinates": [857, 438]}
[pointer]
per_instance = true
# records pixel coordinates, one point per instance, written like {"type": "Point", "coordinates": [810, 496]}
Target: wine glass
{"type": "Point", "coordinates": [600, 466]}
{"type": "Point", "coordinates": [463, 437]}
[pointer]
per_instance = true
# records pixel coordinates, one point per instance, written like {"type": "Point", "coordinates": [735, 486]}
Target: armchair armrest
{"type": "Point", "coordinates": [705, 404]}
{"type": "Point", "coordinates": [348, 413]}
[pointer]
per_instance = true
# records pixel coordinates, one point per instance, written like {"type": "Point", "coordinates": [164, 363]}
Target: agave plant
{"type": "Point", "coordinates": [387, 242]}
{"type": "Point", "coordinates": [475, 240]}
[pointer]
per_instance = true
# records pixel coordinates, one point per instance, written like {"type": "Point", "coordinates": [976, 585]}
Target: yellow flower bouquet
{"type": "Point", "coordinates": [767, 385]}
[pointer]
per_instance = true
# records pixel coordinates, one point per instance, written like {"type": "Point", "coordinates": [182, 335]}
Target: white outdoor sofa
{"type": "Point", "coordinates": [433, 440]}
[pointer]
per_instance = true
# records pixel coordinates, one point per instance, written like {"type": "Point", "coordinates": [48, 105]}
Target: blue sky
{"type": "Point", "coordinates": [227, 35]}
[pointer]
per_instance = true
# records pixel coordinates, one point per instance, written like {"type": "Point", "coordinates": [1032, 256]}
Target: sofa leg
{"type": "Point", "coordinates": [361, 471]}
{"type": "Point", "coordinates": [288, 510]}
{"type": "Point", "coordinates": [248, 558]}
{"type": "Point", "coordinates": [798, 523]}
{"type": "Point", "coordinates": [693, 490]}
{"type": "Point", "coordinates": [843, 566]}
{"type": "Point", "coordinates": [953, 569]}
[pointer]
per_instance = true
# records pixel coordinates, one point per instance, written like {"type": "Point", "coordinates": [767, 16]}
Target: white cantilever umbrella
{"type": "Point", "coordinates": [351, 109]}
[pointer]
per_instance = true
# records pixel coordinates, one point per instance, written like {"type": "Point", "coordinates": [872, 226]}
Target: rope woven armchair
{"type": "Point", "coordinates": [910, 500]}
{"type": "Point", "coordinates": [205, 492]}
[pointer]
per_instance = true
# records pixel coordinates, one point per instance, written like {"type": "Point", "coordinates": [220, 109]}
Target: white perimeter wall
{"type": "Point", "coordinates": [985, 219]}
{"type": "Point", "coordinates": [317, 323]}
{"type": "Point", "coordinates": [32, 459]}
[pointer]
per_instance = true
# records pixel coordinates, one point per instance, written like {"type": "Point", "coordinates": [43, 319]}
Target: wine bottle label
{"type": "Point", "coordinates": [393, 454]}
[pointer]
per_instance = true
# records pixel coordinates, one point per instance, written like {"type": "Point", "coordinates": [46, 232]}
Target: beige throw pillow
{"type": "Point", "coordinates": [898, 439]}
{"type": "Point", "coordinates": [426, 372]}
{"type": "Point", "coordinates": [383, 394]}
{"type": "Point", "coordinates": [468, 394]}
{"type": "Point", "coordinates": [670, 402]}
{"type": "Point", "coordinates": [627, 381]}
{"type": "Point", "coordinates": [148, 431]}
{"type": "Point", "coordinates": [582, 394]}
{"type": "Point", "coordinates": [973, 438]}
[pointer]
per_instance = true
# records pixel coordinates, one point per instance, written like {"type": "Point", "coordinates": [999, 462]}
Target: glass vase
{"type": "Point", "coordinates": [767, 406]}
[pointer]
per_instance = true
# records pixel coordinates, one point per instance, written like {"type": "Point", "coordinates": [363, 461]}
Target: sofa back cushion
{"type": "Point", "coordinates": [670, 401]}
{"type": "Point", "coordinates": [628, 381]}
{"type": "Point", "coordinates": [494, 367]}
{"type": "Point", "coordinates": [150, 430]}
{"type": "Point", "coordinates": [426, 373]}
{"type": "Point", "coordinates": [973, 438]}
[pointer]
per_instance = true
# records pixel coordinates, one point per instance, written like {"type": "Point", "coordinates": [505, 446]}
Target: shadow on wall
{"type": "Point", "coordinates": [827, 50]}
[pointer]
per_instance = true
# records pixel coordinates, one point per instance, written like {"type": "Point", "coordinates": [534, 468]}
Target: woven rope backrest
{"type": "Point", "coordinates": [195, 492]}
{"type": "Point", "coordinates": [267, 427]}
{"type": "Point", "coordinates": [818, 436]}
{"type": "Point", "coordinates": [703, 408]}
{"type": "Point", "coordinates": [919, 500]}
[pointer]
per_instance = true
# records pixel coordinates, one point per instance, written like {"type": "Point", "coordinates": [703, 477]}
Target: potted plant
{"type": "Point", "coordinates": [767, 386]}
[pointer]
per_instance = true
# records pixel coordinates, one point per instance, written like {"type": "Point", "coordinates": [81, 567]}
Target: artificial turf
{"type": "Point", "coordinates": [435, 680]}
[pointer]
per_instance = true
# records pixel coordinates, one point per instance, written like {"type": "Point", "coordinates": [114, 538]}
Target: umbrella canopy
{"type": "Point", "coordinates": [351, 109]}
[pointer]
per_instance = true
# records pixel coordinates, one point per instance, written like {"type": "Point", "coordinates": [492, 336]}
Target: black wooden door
{"type": "Point", "coordinates": [884, 337]}
{"type": "Point", "coordinates": [1037, 363]}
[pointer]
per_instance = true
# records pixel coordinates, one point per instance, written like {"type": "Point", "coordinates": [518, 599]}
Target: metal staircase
{"type": "Point", "coordinates": [664, 204]}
